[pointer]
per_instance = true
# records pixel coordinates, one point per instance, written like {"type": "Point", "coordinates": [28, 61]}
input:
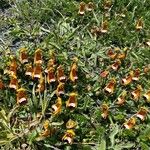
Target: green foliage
{"type": "Point", "coordinates": [56, 26]}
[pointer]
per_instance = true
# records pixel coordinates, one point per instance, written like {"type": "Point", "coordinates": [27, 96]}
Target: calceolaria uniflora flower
{"type": "Point", "coordinates": [128, 79]}
{"type": "Point", "coordinates": [104, 74]}
{"type": "Point", "coordinates": [23, 55]}
{"type": "Point", "coordinates": [21, 96]}
{"type": "Point", "coordinates": [105, 110]}
{"type": "Point", "coordinates": [13, 82]}
{"type": "Point", "coordinates": [121, 99]}
{"type": "Point", "coordinates": [69, 136]}
{"type": "Point", "coordinates": [29, 70]}
{"type": "Point", "coordinates": [13, 67]}
{"type": "Point", "coordinates": [115, 66]}
{"type": "Point", "coordinates": [82, 8]}
{"type": "Point", "coordinates": [38, 57]}
{"type": "Point", "coordinates": [142, 113]}
{"type": "Point", "coordinates": [104, 27]}
{"type": "Point", "coordinates": [60, 89]}
{"type": "Point", "coordinates": [136, 93]}
{"type": "Point", "coordinates": [139, 24]}
{"type": "Point", "coordinates": [37, 71]}
{"type": "Point", "coordinates": [89, 6]}
{"type": "Point", "coordinates": [107, 4]}
{"type": "Point", "coordinates": [130, 123]}
{"type": "Point", "coordinates": [71, 124]}
{"type": "Point", "coordinates": [57, 106]}
{"type": "Point", "coordinates": [111, 54]}
{"type": "Point", "coordinates": [72, 101]}
{"type": "Point", "coordinates": [41, 85]}
{"type": "Point", "coordinates": [136, 74]}
{"type": "Point", "coordinates": [110, 86]}
{"type": "Point", "coordinates": [60, 74]}
{"type": "Point", "coordinates": [51, 75]}
{"type": "Point", "coordinates": [73, 72]}
{"type": "Point", "coordinates": [47, 131]}
{"type": "Point", "coordinates": [147, 96]}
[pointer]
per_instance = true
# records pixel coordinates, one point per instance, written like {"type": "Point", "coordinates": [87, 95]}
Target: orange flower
{"type": "Point", "coordinates": [121, 56]}
{"type": "Point", "coordinates": [29, 70]}
{"type": "Point", "coordinates": [139, 24]}
{"type": "Point", "coordinates": [82, 8]}
{"type": "Point", "coordinates": [23, 55]}
{"type": "Point", "coordinates": [110, 86]}
{"type": "Point", "coordinates": [115, 66]}
{"type": "Point", "coordinates": [136, 93]}
{"type": "Point", "coordinates": [127, 80]}
{"type": "Point", "coordinates": [51, 75]}
{"type": "Point", "coordinates": [69, 136]}
{"type": "Point", "coordinates": [121, 98]}
{"type": "Point", "coordinates": [107, 4]}
{"type": "Point", "coordinates": [37, 72]}
{"type": "Point", "coordinates": [57, 107]}
{"type": "Point", "coordinates": [105, 110]}
{"type": "Point", "coordinates": [60, 74]}
{"type": "Point", "coordinates": [90, 6]}
{"type": "Point", "coordinates": [71, 124]}
{"type": "Point", "coordinates": [38, 57]}
{"type": "Point", "coordinates": [13, 67]}
{"type": "Point", "coordinates": [73, 72]}
{"type": "Point", "coordinates": [111, 54]}
{"type": "Point", "coordinates": [142, 113]}
{"type": "Point", "coordinates": [146, 69]}
{"type": "Point", "coordinates": [136, 74]}
{"type": "Point", "coordinates": [104, 74]}
{"type": "Point", "coordinates": [50, 64]}
{"type": "Point", "coordinates": [104, 27]}
{"type": "Point", "coordinates": [60, 89]}
{"type": "Point", "coordinates": [47, 131]}
{"type": "Point", "coordinates": [21, 96]}
{"type": "Point", "coordinates": [1, 85]}
{"type": "Point", "coordinates": [41, 85]}
{"type": "Point", "coordinates": [72, 101]}
{"type": "Point", "coordinates": [147, 96]}
{"type": "Point", "coordinates": [130, 123]}
{"type": "Point", "coordinates": [13, 82]}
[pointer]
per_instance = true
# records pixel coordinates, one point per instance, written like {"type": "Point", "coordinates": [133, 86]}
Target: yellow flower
{"type": "Point", "coordinates": [142, 113]}
{"type": "Point", "coordinates": [37, 71]}
{"type": "Point", "coordinates": [110, 86]}
{"type": "Point", "coordinates": [21, 96]}
{"type": "Point", "coordinates": [105, 110]}
{"type": "Point", "coordinates": [41, 85]}
{"type": "Point", "coordinates": [104, 27]}
{"type": "Point", "coordinates": [73, 72]}
{"type": "Point", "coordinates": [13, 67]}
{"type": "Point", "coordinates": [121, 98]}
{"type": "Point", "coordinates": [90, 6]}
{"type": "Point", "coordinates": [129, 124]}
{"type": "Point", "coordinates": [139, 24]}
{"type": "Point", "coordinates": [38, 57]}
{"type": "Point", "coordinates": [72, 101]}
{"type": "Point", "coordinates": [115, 65]}
{"type": "Point", "coordinates": [127, 80]}
{"type": "Point", "coordinates": [69, 136]}
{"type": "Point", "coordinates": [111, 54]}
{"type": "Point", "coordinates": [136, 93]}
{"type": "Point", "coordinates": [60, 74]}
{"type": "Point", "coordinates": [107, 4]}
{"type": "Point", "coordinates": [71, 124]}
{"type": "Point", "coordinates": [147, 96]}
{"type": "Point", "coordinates": [23, 55]}
{"type": "Point", "coordinates": [57, 107]}
{"type": "Point", "coordinates": [51, 75]}
{"type": "Point", "coordinates": [82, 8]}
{"type": "Point", "coordinates": [13, 82]}
{"type": "Point", "coordinates": [29, 70]}
{"type": "Point", "coordinates": [60, 89]}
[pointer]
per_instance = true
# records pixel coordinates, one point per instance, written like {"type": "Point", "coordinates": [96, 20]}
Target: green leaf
{"type": "Point", "coordinates": [102, 145]}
